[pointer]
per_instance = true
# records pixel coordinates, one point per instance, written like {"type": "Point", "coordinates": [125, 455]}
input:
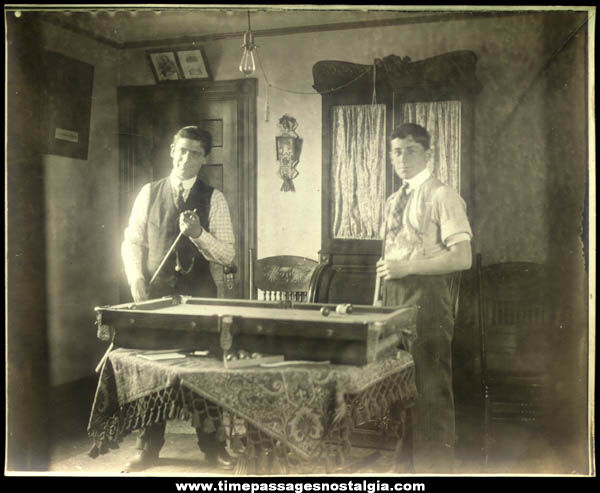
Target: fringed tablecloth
{"type": "Point", "coordinates": [306, 410]}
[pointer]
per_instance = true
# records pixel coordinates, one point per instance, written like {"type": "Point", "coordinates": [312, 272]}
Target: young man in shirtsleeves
{"type": "Point", "coordinates": [180, 202]}
{"type": "Point", "coordinates": [428, 243]}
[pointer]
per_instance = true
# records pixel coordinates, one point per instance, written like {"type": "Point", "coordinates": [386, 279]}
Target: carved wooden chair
{"type": "Point", "coordinates": [516, 333]}
{"type": "Point", "coordinates": [281, 277]}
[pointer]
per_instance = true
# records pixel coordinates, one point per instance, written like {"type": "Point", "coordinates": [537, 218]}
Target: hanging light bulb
{"type": "Point", "coordinates": [247, 64]}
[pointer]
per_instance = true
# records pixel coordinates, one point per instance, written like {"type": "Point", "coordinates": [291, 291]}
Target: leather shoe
{"type": "Point", "coordinates": [221, 458]}
{"type": "Point", "coordinates": [142, 460]}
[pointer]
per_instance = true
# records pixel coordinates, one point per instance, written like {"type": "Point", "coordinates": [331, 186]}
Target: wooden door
{"type": "Point", "coordinates": [151, 115]}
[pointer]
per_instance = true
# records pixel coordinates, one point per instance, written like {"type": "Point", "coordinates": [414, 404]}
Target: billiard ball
{"type": "Point", "coordinates": [344, 308]}
{"type": "Point", "coordinates": [325, 311]}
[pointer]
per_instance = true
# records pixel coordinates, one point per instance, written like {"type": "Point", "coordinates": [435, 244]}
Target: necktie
{"type": "Point", "coordinates": [397, 210]}
{"type": "Point", "coordinates": [180, 200]}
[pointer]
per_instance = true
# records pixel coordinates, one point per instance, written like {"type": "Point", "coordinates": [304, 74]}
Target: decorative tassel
{"type": "Point", "coordinates": [374, 96]}
{"type": "Point", "coordinates": [172, 410]}
{"type": "Point", "coordinates": [94, 452]}
{"type": "Point", "coordinates": [340, 407]}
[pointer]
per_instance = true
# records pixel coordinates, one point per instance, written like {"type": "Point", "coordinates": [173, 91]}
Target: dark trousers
{"type": "Point", "coordinates": [152, 438]}
{"type": "Point", "coordinates": [432, 417]}
{"type": "Point", "coordinates": [184, 285]}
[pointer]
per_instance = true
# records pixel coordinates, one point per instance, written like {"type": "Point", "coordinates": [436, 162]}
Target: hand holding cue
{"type": "Point", "coordinates": [377, 290]}
{"type": "Point", "coordinates": [168, 254]}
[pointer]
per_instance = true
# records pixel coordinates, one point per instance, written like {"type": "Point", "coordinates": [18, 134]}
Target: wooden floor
{"type": "Point", "coordinates": [517, 451]}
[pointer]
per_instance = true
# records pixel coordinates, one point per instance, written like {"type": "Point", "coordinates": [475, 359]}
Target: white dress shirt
{"type": "Point", "coordinates": [414, 185]}
{"type": "Point", "coordinates": [216, 244]}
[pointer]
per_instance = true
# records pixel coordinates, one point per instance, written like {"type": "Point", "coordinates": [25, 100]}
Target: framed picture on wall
{"type": "Point", "coordinates": [164, 65]}
{"type": "Point", "coordinates": [66, 105]}
{"type": "Point", "coordinates": [193, 64]}
{"type": "Point", "coordinates": [288, 148]}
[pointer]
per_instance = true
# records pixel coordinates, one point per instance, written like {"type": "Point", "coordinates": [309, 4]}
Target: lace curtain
{"type": "Point", "coordinates": [442, 120]}
{"type": "Point", "coordinates": [358, 170]}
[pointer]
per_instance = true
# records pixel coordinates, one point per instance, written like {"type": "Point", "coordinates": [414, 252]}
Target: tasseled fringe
{"type": "Point", "coordinates": [340, 407]}
{"type": "Point", "coordinates": [100, 448]}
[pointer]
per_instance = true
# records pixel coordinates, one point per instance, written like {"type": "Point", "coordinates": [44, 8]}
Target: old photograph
{"type": "Point", "coordinates": [300, 241]}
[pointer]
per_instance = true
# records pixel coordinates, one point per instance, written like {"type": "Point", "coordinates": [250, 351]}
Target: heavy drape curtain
{"type": "Point", "coordinates": [442, 120]}
{"type": "Point", "coordinates": [358, 170]}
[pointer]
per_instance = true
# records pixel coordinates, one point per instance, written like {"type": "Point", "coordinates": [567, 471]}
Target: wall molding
{"type": "Point", "coordinates": [56, 21]}
{"type": "Point", "coordinates": [187, 40]}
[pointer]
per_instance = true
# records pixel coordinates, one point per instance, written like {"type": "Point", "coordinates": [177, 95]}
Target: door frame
{"type": "Point", "coordinates": [244, 92]}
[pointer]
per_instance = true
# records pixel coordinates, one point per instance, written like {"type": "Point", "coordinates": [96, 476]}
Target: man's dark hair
{"type": "Point", "coordinates": [419, 134]}
{"type": "Point", "coordinates": [195, 133]}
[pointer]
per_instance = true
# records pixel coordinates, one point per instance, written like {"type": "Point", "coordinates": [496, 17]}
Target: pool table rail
{"type": "Point", "coordinates": [298, 331]}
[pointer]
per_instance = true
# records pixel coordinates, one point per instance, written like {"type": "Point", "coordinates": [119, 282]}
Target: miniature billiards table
{"type": "Point", "coordinates": [298, 331]}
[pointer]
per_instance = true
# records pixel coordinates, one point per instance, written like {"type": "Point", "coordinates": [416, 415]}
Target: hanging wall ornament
{"type": "Point", "coordinates": [289, 147]}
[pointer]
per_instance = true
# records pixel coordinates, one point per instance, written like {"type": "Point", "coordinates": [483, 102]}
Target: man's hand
{"type": "Point", "coordinates": [456, 258]}
{"type": "Point", "coordinates": [139, 290]}
{"type": "Point", "coordinates": [189, 224]}
{"type": "Point", "coordinates": [392, 269]}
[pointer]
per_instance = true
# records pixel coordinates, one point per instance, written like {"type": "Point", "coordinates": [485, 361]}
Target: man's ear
{"type": "Point", "coordinates": [429, 154]}
{"type": "Point", "coordinates": [172, 149]}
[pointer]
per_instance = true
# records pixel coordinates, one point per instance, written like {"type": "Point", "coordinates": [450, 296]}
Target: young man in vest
{"type": "Point", "coordinates": [428, 243]}
{"type": "Point", "coordinates": [179, 202]}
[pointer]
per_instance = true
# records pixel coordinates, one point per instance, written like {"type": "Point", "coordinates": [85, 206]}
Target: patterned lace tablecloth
{"type": "Point", "coordinates": [303, 407]}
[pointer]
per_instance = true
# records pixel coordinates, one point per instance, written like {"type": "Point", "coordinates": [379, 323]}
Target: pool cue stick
{"type": "Point", "coordinates": [168, 254]}
{"type": "Point", "coordinates": [377, 294]}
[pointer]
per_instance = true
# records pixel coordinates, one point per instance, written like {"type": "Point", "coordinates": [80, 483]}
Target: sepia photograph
{"type": "Point", "coordinates": [414, 301]}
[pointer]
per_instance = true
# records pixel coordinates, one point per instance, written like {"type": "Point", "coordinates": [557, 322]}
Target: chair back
{"type": "Point", "coordinates": [515, 325]}
{"type": "Point", "coordinates": [281, 277]}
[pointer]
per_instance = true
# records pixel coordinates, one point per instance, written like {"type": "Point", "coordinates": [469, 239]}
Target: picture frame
{"type": "Point", "coordinates": [193, 64]}
{"type": "Point", "coordinates": [165, 65]}
{"type": "Point", "coordinates": [66, 105]}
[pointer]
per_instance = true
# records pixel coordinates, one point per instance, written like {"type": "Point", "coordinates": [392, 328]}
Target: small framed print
{"type": "Point", "coordinates": [164, 65]}
{"type": "Point", "coordinates": [288, 148]}
{"type": "Point", "coordinates": [193, 64]}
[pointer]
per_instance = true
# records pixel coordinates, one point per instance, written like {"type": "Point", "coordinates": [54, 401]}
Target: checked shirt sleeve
{"type": "Point", "coordinates": [217, 244]}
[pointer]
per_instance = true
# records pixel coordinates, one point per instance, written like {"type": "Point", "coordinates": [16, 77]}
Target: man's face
{"type": "Point", "coordinates": [188, 157]}
{"type": "Point", "coordinates": [408, 157]}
